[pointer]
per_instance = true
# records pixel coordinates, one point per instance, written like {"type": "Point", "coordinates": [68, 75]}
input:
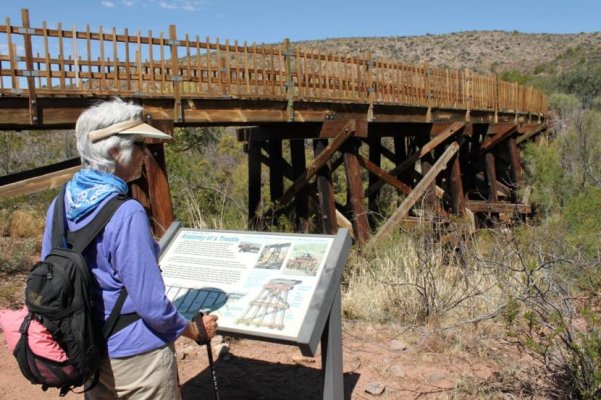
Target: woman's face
{"type": "Point", "coordinates": [133, 169]}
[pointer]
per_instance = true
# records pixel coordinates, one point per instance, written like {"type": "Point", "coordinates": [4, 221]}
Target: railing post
{"type": "Point", "coordinates": [428, 91]}
{"type": "Point", "coordinates": [371, 90]}
{"type": "Point", "coordinates": [175, 76]}
{"type": "Point", "coordinates": [468, 95]}
{"type": "Point", "coordinates": [496, 99]}
{"type": "Point", "coordinates": [290, 89]}
{"type": "Point", "coordinates": [33, 100]}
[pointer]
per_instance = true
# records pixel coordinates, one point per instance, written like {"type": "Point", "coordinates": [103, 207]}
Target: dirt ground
{"type": "Point", "coordinates": [377, 365]}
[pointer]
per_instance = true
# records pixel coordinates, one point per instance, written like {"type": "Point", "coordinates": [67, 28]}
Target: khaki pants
{"type": "Point", "coordinates": [146, 376]}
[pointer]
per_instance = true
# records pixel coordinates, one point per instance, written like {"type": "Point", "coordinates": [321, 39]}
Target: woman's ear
{"type": "Point", "coordinates": [114, 153]}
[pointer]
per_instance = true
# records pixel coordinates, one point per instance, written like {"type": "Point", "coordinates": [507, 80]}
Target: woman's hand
{"type": "Point", "coordinates": [209, 323]}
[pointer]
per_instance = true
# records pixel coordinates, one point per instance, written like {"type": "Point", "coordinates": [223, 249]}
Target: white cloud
{"type": "Point", "coordinates": [129, 3]}
{"type": "Point", "coordinates": [107, 3]}
{"type": "Point", "coordinates": [188, 5]}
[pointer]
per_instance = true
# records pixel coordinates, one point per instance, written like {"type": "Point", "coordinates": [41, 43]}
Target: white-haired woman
{"type": "Point", "coordinates": [141, 362]}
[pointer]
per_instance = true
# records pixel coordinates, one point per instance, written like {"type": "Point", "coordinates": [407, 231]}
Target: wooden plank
{"type": "Point", "coordinates": [327, 204]}
{"type": "Point", "coordinates": [485, 207]}
{"type": "Point", "coordinates": [355, 192]}
{"type": "Point", "coordinates": [37, 184]}
{"type": "Point", "coordinates": [412, 198]}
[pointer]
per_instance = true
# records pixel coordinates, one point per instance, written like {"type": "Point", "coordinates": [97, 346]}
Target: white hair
{"type": "Point", "coordinates": [101, 115]}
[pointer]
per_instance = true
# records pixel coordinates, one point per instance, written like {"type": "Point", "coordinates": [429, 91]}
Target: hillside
{"type": "Point", "coordinates": [482, 51]}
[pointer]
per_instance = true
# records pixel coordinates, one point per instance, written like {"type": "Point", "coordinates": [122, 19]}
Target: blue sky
{"type": "Point", "coordinates": [272, 21]}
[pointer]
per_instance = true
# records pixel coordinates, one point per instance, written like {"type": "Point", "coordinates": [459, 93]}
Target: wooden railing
{"type": "Point", "coordinates": [63, 62]}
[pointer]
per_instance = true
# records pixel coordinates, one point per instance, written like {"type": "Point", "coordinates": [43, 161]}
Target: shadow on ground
{"type": "Point", "coordinates": [247, 379]}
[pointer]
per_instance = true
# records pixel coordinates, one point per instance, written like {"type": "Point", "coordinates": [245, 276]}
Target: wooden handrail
{"type": "Point", "coordinates": [87, 63]}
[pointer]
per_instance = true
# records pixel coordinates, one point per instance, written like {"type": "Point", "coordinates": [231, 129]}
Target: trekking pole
{"type": "Point", "coordinates": [206, 341]}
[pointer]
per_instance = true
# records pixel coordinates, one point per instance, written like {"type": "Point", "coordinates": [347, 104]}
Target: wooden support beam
{"type": "Point", "coordinates": [530, 133]}
{"type": "Point", "coordinates": [254, 183]}
{"type": "Point", "coordinates": [157, 183]}
{"type": "Point", "coordinates": [276, 178]}
{"type": "Point", "coordinates": [417, 192]}
{"type": "Point", "coordinates": [301, 200]}
{"type": "Point", "coordinates": [355, 192]}
{"type": "Point", "coordinates": [515, 162]}
{"type": "Point", "coordinates": [327, 204]}
{"type": "Point", "coordinates": [375, 156]}
{"type": "Point", "coordinates": [456, 188]}
{"type": "Point", "coordinates": [502, 132]}
{"type": "Point", "coordinates": [453, 129]}
{"type": "Point", "coordinates": [382, 174]}
{"type": "Point", "coordinates": [346, 130]}
{"type": "Point", "coordinates": [491, 177]}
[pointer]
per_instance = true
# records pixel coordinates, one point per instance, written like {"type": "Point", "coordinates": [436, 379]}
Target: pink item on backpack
{"type": "Point", "coordinates": [40, 339]}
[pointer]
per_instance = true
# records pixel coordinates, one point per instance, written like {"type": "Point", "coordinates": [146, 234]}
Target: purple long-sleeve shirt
{"type": "Point", "coordinates": [126, 255]}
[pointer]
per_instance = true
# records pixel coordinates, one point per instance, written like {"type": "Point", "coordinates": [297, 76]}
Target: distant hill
{"type": "Point", "coordinates": [482, 51]}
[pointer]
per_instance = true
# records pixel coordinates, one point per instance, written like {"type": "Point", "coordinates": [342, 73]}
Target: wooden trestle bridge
{"type": "Point", "coordinates": [425, 132]}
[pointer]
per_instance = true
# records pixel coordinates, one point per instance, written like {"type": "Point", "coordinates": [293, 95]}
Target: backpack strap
{"type": "Point", "coordinates": [117, 321]}
{"type": "Point", "coordinates": [80, 239]}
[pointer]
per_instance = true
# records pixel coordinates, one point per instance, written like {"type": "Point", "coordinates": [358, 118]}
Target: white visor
{"type": "Point", "coordinates": [132, 127]}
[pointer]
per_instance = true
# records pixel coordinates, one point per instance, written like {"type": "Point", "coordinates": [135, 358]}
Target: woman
{"type": "Point", "coordinates": [141, 360]}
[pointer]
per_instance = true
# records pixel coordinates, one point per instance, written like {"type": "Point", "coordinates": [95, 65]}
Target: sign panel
{"type": "Point", "coordinates": [259, 284]}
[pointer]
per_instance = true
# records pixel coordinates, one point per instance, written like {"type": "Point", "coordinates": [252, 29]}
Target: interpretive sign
{"type": "Point", "coordinates": [278, 287]}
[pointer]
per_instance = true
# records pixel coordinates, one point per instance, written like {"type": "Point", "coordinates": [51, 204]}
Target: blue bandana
{"type": "Point", "coordinates": [88, 188]}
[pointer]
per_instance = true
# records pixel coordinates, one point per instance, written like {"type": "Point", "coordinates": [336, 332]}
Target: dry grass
{"type": "Point", "coordinates": [414, 280]}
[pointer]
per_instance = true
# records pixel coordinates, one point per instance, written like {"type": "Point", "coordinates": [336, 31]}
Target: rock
{"type": "Point", "coordinates": [223, 351]}
{"type": "Point", "coordinates": [437, 376]}
{"type": "Point", "coordinates": [397, 345]}
{"type": "Point", "coordinates": [398, 371]}
{"type": "Point", "coordinates": [299, 359]}
{"type": "Point", "coordinates": [375, 388]}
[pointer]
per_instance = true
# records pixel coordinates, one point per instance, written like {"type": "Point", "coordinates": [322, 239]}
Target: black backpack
{"type": "Point", "coordinates": [58, 295]}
